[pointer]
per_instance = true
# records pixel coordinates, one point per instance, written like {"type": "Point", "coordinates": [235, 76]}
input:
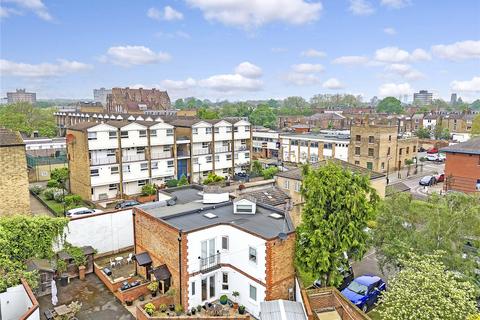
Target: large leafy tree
{"type": "Point", "coordinates": [440, 223]}
{"type": "Point", "coordinates": [390, 105]}
{"type": "Point", "coordinates": [441, 133]}
{"type": "Point", "coordinates": [26, 118]}
{"type": "Point", "coordinates": [338, 204]}
{"type": "Point", "coordinates": [476, 126]}
{"type": "Point", "coordinates": [424, 289]}
{"type": "Point", "coordinates": [423, 133]}
{"type": "Point", "coordinates": [263, 116]}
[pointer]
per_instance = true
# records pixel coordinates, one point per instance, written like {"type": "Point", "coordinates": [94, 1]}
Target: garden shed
{"type": "Point", "coordinates": [72, 268]}
{"type": "Point", "coordinates": [46, 273]}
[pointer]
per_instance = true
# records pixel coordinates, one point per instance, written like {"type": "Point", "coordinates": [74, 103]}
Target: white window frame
{"type": "Point", "coordinates": [97, 174]}
{"type": "Point", "coordinates": [110, 188]}
{"type": "Point", "coordinates": [143, 166]}
{"type": "Point", "coordinates": [194, 130]}
{"type": "Point", "coordinates": [228, 243]}
{"type": "Point", "coordinates": [114, 171]}
{"type": "Point", "coordinates": [154, 165]}
{"type": "Point", "coordinates": [142, 133]}
{"type": "Point", "coordinates": [250, 293]}
{"type": "Point", "coordinates": [208, 130]}
{"type": "Point", "coordinates": [225, 285]}
{"type": "Point", "coordinates": [92, 136]}
{"type": "Point", "coordinates": [124, 134]}
{"type": "Point", "coordinates": [250, 255]}
{"type": "Point", "coordinates": [298, 186]}
{"type": "Point", "coordinates": [141, 183]}
{"type": "Point", "coordinates": [170, 164]}
{"type": "Point", "coordinates": [169, 132]}
{"type": "Point", "coordinates": [110, 136]}
{"type": "Point", "coordinates": [153, 133]}
{"type": "Point", "coordinates": [286, 184]}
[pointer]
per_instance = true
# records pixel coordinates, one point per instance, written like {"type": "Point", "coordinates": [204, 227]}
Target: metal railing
{"type": "Point", "coordinates": [33, 161]}
{"type": "Point", "coordinates": [103, 160]}
{"type": "Point", "coordinates": [210, 263]}
{"type": "Point", "coordinates": [134, 157]}
{"type": "Point", "coordinates": [197, 152]}
{"type": "Point", "coordinates": [241, 148]}
{"type": "Point", "coordinates": [222, 149]}
{"type": "Point", "coordinates": [162, 155]}
{"type": "Point", "coordinates": [183, 153]}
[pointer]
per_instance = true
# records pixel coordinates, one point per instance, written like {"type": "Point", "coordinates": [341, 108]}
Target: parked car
{"type": "Point", "coordinates": [427, 181]}
{"type": "Point", "coordinates": [364, 291]}
{"type": "Point", "coordinates": [126, 204]}
{"type": "Point", "coordinates": [440, 177]}
{"type": "Point", "coordinates": [347, 278]}
{"type": "Point", "coordinates": [441, 157]}
{"type": "Point", "coordinates": [82, 211]}
{"type": "Point", "coordinates": [433, 150]}
{"type": "Point", "coordinates": [432, 156]}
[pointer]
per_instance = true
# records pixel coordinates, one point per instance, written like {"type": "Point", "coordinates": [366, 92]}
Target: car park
{"type": "Point", "coordinates": [347, 278]}
{"type": "Point", "coordinates": [427, 181]}
{"type": "Point", "coordinates": [126, 204]}
{"type": "Point", "coordinates": [364, 291]}
{"type": "Point", "coordinates": [82, 211]}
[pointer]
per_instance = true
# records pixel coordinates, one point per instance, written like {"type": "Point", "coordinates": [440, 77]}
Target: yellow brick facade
{"type": "Point", "coordinates": [79, 164]}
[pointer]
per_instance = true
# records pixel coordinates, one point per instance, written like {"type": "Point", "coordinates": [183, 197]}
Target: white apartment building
{"type": "Point", "coordinates": [266, 143]}
{"type": "Point", "coordinates": [303, 148]}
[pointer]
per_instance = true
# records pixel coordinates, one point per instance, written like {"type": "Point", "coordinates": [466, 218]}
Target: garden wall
{"type": "Point", "coordinates": [105, 232]}
{"type": "Point", "coordinates": [132, 293]}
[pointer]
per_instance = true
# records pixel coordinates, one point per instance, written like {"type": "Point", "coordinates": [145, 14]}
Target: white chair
{"type": "Point", "coordinates": [112, 263]}
{"type": "Point", "coordinates": [130, 258]}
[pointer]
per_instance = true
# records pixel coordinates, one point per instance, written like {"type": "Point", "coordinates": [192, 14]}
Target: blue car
{"type": "Point", "coordinates": [364, 291]}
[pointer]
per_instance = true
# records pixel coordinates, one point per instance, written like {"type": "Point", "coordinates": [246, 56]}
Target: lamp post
{"type": "Point", "coordinates": [388, 168]}
{"type": "Point", "coordinates": [180, 263]}
{"type": "Point", "coordinates": [199, 173]}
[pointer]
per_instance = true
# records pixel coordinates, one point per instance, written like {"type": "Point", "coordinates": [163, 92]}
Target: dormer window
{"type": "Point", "coordinates": [244, 206]}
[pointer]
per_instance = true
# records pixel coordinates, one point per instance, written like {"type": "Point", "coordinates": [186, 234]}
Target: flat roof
{"type": "Point", "coordinates": [471, 146]}
{"type": "Point", "coordinates": [312, 136]}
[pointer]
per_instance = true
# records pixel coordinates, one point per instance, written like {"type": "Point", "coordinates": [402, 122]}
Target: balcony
{"type": "Point", "coordinates": [198, 152]}
{"type": "Point", "coordinates": [209, 264]}
{"type": "Point", "coordinates": [162, 155]}
{"type": "Point", "coordinates": [133, 157]}
{"type": "Point", "coordinates": [241, 148]}
{"type": "Point", "coordinates": [102, 160]}
{"type": "Point", "coordinates": [222, 149]}
{"type": "Point", "coordinates": [183, 153]}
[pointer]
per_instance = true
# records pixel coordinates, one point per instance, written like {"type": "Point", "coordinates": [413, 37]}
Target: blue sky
{"type": "Point", "coordinates": [239, 50]}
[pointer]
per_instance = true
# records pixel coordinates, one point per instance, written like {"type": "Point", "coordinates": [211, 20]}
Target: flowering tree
{"type": "Point", "coordinates": [424, 289]}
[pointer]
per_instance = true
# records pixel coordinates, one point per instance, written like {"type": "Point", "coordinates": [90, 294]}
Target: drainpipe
{"type": "Point", "coordinates": [180, 263]}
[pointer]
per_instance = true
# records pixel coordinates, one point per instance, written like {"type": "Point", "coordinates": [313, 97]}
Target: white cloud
{"type": "Point", "coordinates": [173, 35]}
{"type": "Point", "coordinates": [179, 84]}
{"type": "Point", "coordinates": [231, 82]}
{"type": "Point", "coordinates": [278, 50]}
{"type": "Point", "coordinates": [390, 31]}
{"type": "Point", "coordinates": [404, 70]}
{"type": "Point", "coordinates": [42, 69]}
{"type": "Point", "coordinates": [396, 55]}
{"type": "Point", "coordinates": [7, 12]}
{"type": "Point", "coordinates": [469, 49]}
{"type": "Point", "coordinates": [312, 53]}
{"type": "Point", "coordinates": [248, 70]}
{"type": "Point", "coordinates": [168, 14]}
{"type": "Point", "coordinates": [395, 4]}
{"type": "Point", "coordinates": [307, 68]}
{"type": "Point", "coordinates": [36, 6]}
{"type": "Point", "coordinates": [350, 60]}
{"type": "Point", "coordinates": [302, 79]}
{"type": "Point", "coordinates": [333, 84]}
{"type": "Point", "coordinates": [134, 55]}
{"type": "Point", "coordinates": [254, 13]}
{"type": "Point", "coordinates": [472, 85]}
{"type": "Point", "coordinates": [361, 7]}
{"type": "Point", "coordinates": [394, 90]}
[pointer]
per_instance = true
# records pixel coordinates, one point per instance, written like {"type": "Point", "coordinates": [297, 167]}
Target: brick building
{"type": "Point", "coordinates": [380, 148]}
{"type": "Point", "coordinates": [136, 101]}
{"type": "Point", "coordinates": [213, 246]}
{"type": "Point", "coordinates": [14, 194]}
{"type": "Point", "coordinates": [327, 120]}
{"type": "Point", "coordinates": [462, 166]}
{"type": "Point", "coordinates": [21, 95]}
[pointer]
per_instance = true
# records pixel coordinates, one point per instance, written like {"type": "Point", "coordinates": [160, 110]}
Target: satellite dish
{"type": "Point", "coordinates": [282, 236]}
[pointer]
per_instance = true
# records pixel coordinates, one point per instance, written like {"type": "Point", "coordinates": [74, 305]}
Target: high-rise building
{"type": "Point", "coordinates": [21, 95]}
{"type": "Point", "coordinates": [423, 97]}
{"type": "Point", "coordinates": [100, 95]}
{"type": "Point", "coordinates": [453, 99]}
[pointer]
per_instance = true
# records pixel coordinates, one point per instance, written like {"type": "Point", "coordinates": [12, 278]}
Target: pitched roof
{"type": "Point", "coordinates": [9, 138]}
{"type": "Point", "coordinates": [296, 174]}
{"type": "Point", "coordinates": [272, 196]}
{"type": "Point", "coordinates": [396, 188]}
{"type": "Point", "coordinates": [471, 146]}
{"type": "Point", "coordinates": [281, 310]}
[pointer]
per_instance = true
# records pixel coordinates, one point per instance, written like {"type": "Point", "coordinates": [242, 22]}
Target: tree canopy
{"type": "Point", "coordinates": [338, 203]}
{"type": "Point", "coordinates": [425, 289]}
{"type": "Point", "coordinates": [423, 133]}
{"type": "Point", "coordinates": [390, 105]}
{"type": "Point", "coordinates": [263, 116]}
{"type": "Point", "coordinates": [26, 118]}
{"type": "Point", "coordinates": [440, 223]}
{"type": "Point", "coordinates": [476, 126]}
{"type": "Point", "coordinates": [441, 133]}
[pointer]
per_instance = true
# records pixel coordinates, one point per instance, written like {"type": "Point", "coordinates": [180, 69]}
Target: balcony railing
{"type": "Point", "coordinates": [103, 160]}
{"type": "Point", "coordinates": [162, 155]}
{"type": "Point", "coordinates": [241, 148]}
{"type": "Point", "coordinates": [197, 152]}
{"type": "Point", "coordinates": [183, 153]}
{"type": "Point", "coordinates": [222, 149]}
{"type": "Point", "coordinates": [133, 157]}
{"type": "Point", "coordinates": [210, 263]}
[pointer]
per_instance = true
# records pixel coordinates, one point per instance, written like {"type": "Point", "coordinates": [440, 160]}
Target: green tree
{"type": "Point", "coordinates": [423, 133]}
{"type": "Point", "coordinates": [59, 174]}
{"type": "Point", "coordinates": [208, 113]}
{"type": "Point", "coordinates": [439, 104]}
{"type": "Point", "coordinates": [27, 118]}
{"type": "Point", "coordinates": [440, 223]}
{"type": "Point", "coordinates": [475, 131]}
{"type": "Point", "coordinates": [441, 133]}
{"type": "Point", "coordinates": [183, 181]}
{"type": "Point", "coordinates": [390, 105]}
{"type": "Point", "coordinates": [338, 204]}
{"type": "Point", "coordinates": [424, 289]}
{"type": "Point", "coordinates": [239, 109]}
{"type": "Point", "coordinates": [295, 106]}
{"type": "Point", "coordinates": [257, 167]}
{"type": "Point", "coordinates": [475, 105]}
{"type": "Point", "coordinates": [269, 173]}
{"type": "Point", "coordinates": [263, 116]}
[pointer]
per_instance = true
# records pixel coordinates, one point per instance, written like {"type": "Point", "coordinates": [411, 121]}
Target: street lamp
{"type": "Point", "coordinates": [388, 168]}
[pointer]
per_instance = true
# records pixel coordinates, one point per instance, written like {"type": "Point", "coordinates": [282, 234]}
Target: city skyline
{"type": "Point", "coordinates": [245, 50]}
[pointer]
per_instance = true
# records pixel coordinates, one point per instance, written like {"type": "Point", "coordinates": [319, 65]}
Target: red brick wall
{"type": "Point", "coordinates": [326, 298]}
{"type": "Point", "coordinates": [133, 293]}
{"type": "Point", "coordinates": [280, 271]}
{"type": "Point", "coordinates": [112, 286]}
{"type": "Point", "coordinates": [462, 171]}
{"type": "Point", "coordinates": [161, 242]}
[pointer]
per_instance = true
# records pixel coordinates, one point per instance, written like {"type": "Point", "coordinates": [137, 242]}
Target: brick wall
{"type": "Point", "coordinates": [14, 194]}
{"type": "Point", "coordinates": [280, 271]}
{"type": "Point", "coordinates": [462, 172]}
{"type": "Point", "coordinates": [133, 293]}
{"type": "Point", "coordinates": [79, 165]}
{"type": "Point", "coordinates": [111, 285]}
{"type": "Point", "coordinates": [331, 298]}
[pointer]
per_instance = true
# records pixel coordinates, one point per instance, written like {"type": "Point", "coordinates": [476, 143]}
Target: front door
{"type": "Point", "coordinates": [207, 252]}
{"type": "Point", "coordinates": [208, 288]}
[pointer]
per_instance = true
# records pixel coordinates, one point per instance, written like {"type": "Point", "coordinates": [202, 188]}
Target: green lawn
{"type": "Point", "coordinates": [54, 205]}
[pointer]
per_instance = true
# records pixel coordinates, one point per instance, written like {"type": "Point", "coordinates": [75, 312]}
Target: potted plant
{"type": "Point", "coordinates": [162, 308]}
{"type": "Point", "coordinates": [193, 311]}
{"type": "Point", "coordinates": [129, 301]}
{"type": "Point", "coordinates": [141, 298]}
{"type": "Point", "coordinates": [235, 295]}
{"type": "Point", "coordinates": [241, 309]}
{"type": "Point", "coordinates": [199, 308]}
{"type": "Point", "coordinates": [149, 308]}
{"type": "Point", "coordinates": [61, 271]}
{"type": "Point", "coordinates": [171, 307]}
{"type": "Point", "coordinates": [153, 287]}
{"type": "Point", "coordinates": [178, 309]}
{"type": "Point", "coordinates": [223, 299]}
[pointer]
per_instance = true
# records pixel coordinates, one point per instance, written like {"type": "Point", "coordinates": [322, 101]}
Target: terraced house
{"type": "Point", "coordinates": [114, 159]}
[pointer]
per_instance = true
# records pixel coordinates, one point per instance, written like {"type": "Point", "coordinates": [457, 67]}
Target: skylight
{"type": "Point", "coordinates": [275, 216]}
{"type": "Point", "coordinates": [209, 215]}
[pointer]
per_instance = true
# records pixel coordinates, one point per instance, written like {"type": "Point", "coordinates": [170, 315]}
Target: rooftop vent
{"type": "Point", "coordinates": [275, 216]}
{"type": "Point", "coordinates": [210, 215]}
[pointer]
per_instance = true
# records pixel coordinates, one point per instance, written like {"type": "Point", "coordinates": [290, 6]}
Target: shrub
{"type": "Point", "coordinates": [268, 173]}
{"type": "Point", "coordinates": [58, 195]}
{"type": "Point", "coordinates": [183, 181]}
{"type": "Point", "coordinates": [257, 168]}
{"type": "Point", "coordinates": [153, 286]}
{"type": "Point", "coordinates": [77, 254]}
{"type": "Point", "coordinates": [223, 299]}
{"type": "Point", "coordinates": [36, 189]}
{"type": "Point", "coordinates": [53, 184]}
{"type": "Point", "coordinates": [59, 174]}
{"type": "Point", "coordinates": [73, 200]}
{"type": "Point", "coordinates": [149, 189]}
{"type": "Point", "coordinates": [149, 308]}
{"type": "Point", "coordinates": [178, 309]}
{"type": "Point", "coordinates": [213, 178]}
{"type": "Point", "coordinates": [172, 183]}
{"type": "Point", "coordinates": [162, 308]}
{"type": "Point", "coordinates": [49, 192]}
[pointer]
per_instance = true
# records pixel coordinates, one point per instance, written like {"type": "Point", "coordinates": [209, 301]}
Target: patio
{"type": "Point", "coordinates": [98, 303]}
{"type": "Point", "coordinates": [122, 268]}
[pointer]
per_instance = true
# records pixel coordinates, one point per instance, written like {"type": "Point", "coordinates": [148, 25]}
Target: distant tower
{"type": "Point", "coordinates": [423, 97]}
{"type": "Point", "coordinates": [453, 99]}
